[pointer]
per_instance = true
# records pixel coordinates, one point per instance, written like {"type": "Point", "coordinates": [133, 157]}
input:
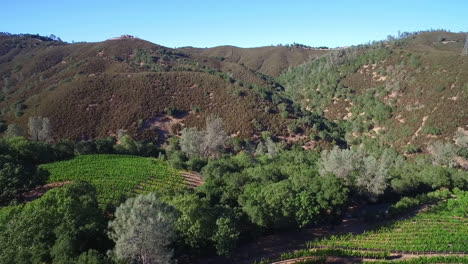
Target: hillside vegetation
{"type": "Point", "coordinates": [91, 90]}
{"type": "Point", "coordinates": [270, 60]}
{"type": "Point", "coordinates": [138, 153]}
{"type": "Point", "coordinates": [408, 90]}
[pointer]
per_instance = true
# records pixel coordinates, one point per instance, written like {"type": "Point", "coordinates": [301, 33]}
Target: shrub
{"type": "Point", "coordinates": [411, 149]}
{"type": "Point", "coordinates": [442, 153]}
{"type": "Point", "coordinates": [196, 109]}
{"type": "Point", "coordinates": [171, 110]}
{"type": "Point", "coordinates": [439, 89]}
{"type": "Point", "coordinates": [432, 130]}
{"type": "Point", "coordinates": [13, 130]}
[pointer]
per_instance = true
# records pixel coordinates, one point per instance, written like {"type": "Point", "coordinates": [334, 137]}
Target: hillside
{"type": "Point", "coordinates": [270, 60]}
{"type": "Point", "coordinates": [93, 89]}
{"type": "Point", "coordinates": [405, 92]}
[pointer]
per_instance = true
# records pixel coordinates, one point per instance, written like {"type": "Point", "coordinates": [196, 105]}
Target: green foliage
{"type": "Point", "coordinates": [284, 204]}
{"type": "Point", "coordinates": [17, 177]}
{"type": "Point", "coordinates": [143, 230]}
{"type": "Point", "coordinates": [425, 260]}
{"type": "Point", "coordinates": [200, 224]}
{"type": "Point", "coordinates": [335, 253]}
{"type": "Point", "coordinates": [432, 130]}
{"type": "Point", "coordinates": [372, 107]}
{"type": "Point", "coordinates": [18, 160]}
{"type": "Point", "coordinates": [56, 228]}
{"type": "Point", "coordinates": [410, 178]}
{"type": "Point", "coordinates": [172, 110]}
{"type": "Point", "coordinates": [442, 229]}
{"type": "Point", "coordinates": [406, 203]}
{"type": "Point", "coordinates": [411, 149]}
{"type": "Point", "coordinates": [320, 80]}
{"type": "Point", "coordinates": [92, 257]}
{"type": "Point", "coordinates": [284, 190]}
{"type": "Point", "coordinates": [116, 177]}
{"type": "Point", "coordinates": [226, 236]}
{"type": "Point", "coordinates": [439, 89]}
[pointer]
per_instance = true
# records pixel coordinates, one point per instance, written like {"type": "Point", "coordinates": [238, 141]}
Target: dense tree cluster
{"type": "Point", "coordinates": [64, 226]}
{"type": "Point", "coordinates": [243, 195]}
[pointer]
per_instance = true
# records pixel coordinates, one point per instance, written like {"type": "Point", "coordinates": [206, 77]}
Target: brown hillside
{"type": "Point", "coordinates": [270, 60]}
{"type": "Point", "coordinates": [94, 89]}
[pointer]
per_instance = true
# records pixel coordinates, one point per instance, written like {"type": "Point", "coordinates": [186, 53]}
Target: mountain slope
{"type": "Point", "coordinates": [94, 89]}
{"type": "Point", "coordinates": [407, 91]}
{"type": "Point", "coordinates": [270, 60]}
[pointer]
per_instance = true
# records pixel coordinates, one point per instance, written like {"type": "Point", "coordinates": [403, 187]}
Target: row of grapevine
{"type": "Point", "coordinates": [116, 176]}
{"type": "Point", "coordinates": [437, 231]}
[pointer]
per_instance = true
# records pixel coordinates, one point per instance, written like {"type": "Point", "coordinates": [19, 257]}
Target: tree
{"type": "Point", "coordinates": [343, 163]}
{"type": "Point", "coordinates": [17, 177]}
{"type": "Point", "coordinates": [56, 228]}
{"type": "Point", "coordinates": [261, 149]}
{"type": "Point", "coordinates": [461, 139]}
{"type": "Point", "coordinates": [205, 143]}
{"type": "Point", "coordinates": [191, 142]}
{"type": "Point", "coordinates": [215, 137]}
{"type": "Point", "coordinates": [39, 128]}
{"type": "Point", "coordinates": [442, 154]}
{"type": "Point", "coordinates": [201, 223]}
{"type": "Point", "coordinates": [226, 236]}
{"type": "Point", "coordinates": [196, 222]}
{"type": "Point", "coordinates": [271, 147]}
{"type": "Point", "coordinates": [372, 179]}
{"type": "Point", "coordinates": [367, 174]}
{"type": "Point", "coordinates": [143, 230]}
{"type": "Point", "coordinates": [14, 130]}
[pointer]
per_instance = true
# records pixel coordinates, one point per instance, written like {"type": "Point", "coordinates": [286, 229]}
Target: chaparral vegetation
{"type": "Point", "coordinates": [124, 151]}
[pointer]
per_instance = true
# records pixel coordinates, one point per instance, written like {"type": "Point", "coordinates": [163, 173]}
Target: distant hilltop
{"type": "Point", "coordinates": [124, 37]}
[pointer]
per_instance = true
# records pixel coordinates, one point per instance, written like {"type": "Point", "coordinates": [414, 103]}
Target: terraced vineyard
{"type": "Point", "coordinates": [436, 231]}
{"type": "Point", "coordinates": [437, 235]}
{"type": "Point", "coordinates": [117, 176]}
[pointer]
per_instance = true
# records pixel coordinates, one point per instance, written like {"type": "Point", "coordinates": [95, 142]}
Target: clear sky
{"type": "Point", "coordinates": [244, 23]}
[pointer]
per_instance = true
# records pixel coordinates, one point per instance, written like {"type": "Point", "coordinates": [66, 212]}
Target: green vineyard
{"type": "Point", "coordinates": [117, 176]}
{"type": "Point", "coordinates": [442, 229]}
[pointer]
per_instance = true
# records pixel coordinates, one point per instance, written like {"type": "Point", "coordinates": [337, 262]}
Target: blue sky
{"type": "Point", "coordinates": [176, 23]}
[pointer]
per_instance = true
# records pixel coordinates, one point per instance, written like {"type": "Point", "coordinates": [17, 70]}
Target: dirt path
{"type": "Point", "coordinates": [273, 245]}
{"type": "Point", "coordinates": [332, 259]}
{"type": "Point", "coordinates": [41, 190]}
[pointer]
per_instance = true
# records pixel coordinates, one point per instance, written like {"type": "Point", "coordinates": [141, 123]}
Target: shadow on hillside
{"type": "Point", "coordinates": [273, 245]}
{"type": "Point", "coordinates": [165, 124]}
